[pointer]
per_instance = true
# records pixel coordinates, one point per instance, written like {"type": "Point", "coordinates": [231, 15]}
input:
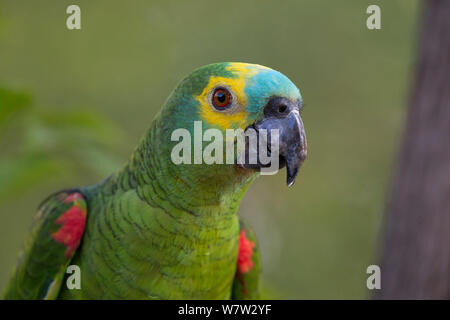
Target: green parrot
{"type": "Point", "coordinates": [157, 229]}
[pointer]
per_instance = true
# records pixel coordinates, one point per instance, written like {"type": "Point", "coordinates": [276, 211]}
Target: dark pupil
{"type": "Point", "coordinates": [221, 97]}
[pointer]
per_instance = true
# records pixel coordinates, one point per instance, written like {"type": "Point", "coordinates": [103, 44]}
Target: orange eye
{"type": "Point", "coordinates": [221, 98]}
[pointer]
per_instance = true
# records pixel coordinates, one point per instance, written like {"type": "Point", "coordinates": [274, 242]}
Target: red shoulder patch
{"type": "Point", "coordinates": [73, 222]}
{"type": "Point", "coordinates": [245, 263]}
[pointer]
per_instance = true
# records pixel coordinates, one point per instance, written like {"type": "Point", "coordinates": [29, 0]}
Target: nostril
{"type": "Point", "coordinates": [282, 108]}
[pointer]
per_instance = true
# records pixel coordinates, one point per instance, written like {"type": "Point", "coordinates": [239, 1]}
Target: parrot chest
{"type": "Point", "coordinates": [139, 252]}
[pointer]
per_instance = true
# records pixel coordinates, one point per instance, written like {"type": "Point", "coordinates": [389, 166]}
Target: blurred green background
{"type": "Point", "coordinates": [73, 105]}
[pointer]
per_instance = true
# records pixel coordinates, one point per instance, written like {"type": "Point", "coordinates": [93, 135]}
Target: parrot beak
{"type": "Point", "coordinates": [283, 115]}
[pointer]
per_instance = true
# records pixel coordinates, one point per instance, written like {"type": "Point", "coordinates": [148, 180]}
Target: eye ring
{"type": "Point", "coordinates": [221, 98]}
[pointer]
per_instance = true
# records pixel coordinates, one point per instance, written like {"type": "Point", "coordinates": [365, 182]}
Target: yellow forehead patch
{"type": "Point", "coordinates": [245, 69]}
{"type": "Point", "coordinates": [236, 118]}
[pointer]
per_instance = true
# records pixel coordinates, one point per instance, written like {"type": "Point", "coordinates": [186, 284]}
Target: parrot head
{"type": "Point", "coordinates": [239, 96]}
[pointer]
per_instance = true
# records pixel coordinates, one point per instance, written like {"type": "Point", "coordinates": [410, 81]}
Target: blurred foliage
{"type": "Point", "coordinates": [50, 143]}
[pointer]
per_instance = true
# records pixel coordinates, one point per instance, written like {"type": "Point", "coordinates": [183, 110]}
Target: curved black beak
{"type": "Point", "coordinates": [282, 116]}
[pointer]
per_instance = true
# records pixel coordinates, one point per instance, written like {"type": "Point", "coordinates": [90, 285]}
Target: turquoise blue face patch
{"type": "Point", "coordinates": [265, 84]}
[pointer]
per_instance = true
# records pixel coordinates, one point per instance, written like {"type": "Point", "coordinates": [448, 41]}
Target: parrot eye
{"type": "Point", "coordinates": [221, 98]}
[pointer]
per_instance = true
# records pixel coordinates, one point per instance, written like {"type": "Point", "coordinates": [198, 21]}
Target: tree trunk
{"type": "Point", "coordinates": [416, 251]}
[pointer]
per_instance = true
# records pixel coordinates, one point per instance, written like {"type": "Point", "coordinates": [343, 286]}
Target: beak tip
{"type": "Point", "coordinates": [291, 174]}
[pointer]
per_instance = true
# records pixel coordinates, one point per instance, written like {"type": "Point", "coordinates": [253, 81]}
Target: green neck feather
{"type": "Point", "coordinates": [199, 189]}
